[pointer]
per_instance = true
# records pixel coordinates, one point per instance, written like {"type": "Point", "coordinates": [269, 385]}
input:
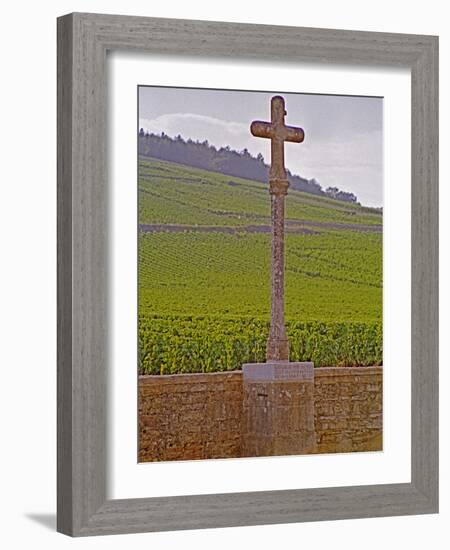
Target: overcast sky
{"type": "Point", "coordinates": [343, 134]}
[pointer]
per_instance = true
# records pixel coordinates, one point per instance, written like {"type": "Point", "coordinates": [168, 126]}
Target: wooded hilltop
{"type": "Point", "coordinates": [226, 161]}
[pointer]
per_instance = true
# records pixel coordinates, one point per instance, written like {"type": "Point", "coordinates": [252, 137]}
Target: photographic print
{"type": "Point", "coordinates": [260, 273]}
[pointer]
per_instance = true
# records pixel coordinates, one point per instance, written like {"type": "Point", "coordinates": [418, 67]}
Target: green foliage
{"type": "Point", "coordinates": [172, 345]}
{"type": "Point", "coordinates": [173, 193]}
{"type": "Point", "coordinates": [204, 296]}
{"type": "Point", "coordinates": [332, 276]}
{"type": "Point", "coordinates": [224, 160]}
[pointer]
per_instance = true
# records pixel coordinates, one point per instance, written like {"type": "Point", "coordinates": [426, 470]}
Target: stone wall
{"type": "Point", "coordinates": [198, 416]}
{"type": "Point", "coordinates": [190, 416]}
{"type": "Point", "coordinates": [348, 407]}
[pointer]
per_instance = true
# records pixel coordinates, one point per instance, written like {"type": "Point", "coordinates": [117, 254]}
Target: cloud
{"type": "Point", "coordinates": [198, 127]}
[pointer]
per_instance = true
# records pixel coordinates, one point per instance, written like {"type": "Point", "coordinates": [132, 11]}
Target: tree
{"type": "Point", "coordinates": [226, 161]}
{"type": "Point", "coordinates": [336, 193]}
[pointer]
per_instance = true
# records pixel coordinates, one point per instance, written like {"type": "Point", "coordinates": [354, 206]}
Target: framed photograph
{"type": "Point", "coordinates": [247, 274]}
{"type": "Point", "coordinates": [202, 189]}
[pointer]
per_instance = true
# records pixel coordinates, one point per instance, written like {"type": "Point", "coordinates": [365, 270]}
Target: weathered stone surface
{"type": "Point", "coordinates": [278, 409]}
{"type": "Point", "coordinates": [278, 133]}
{"type": "Point", "coordinates": [190, 416]}
{"type": "Point", "coordinates": [278, 370]}
{"type": "Point", "coordinates": [348, 409]}
{"type": "Point", "coordinates": [176, 423]}
{"type": "Point", "coordinates": [276, 130]}
{"type": "Point", "coordinates": [277, 344]}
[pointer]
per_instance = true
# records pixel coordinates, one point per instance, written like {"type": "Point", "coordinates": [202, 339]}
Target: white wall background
{"type": "Point", "coordinates": [28, 274]}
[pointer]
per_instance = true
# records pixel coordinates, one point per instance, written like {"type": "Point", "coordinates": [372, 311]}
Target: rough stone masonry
{"type": "Point", "coordinates": [201, 416]}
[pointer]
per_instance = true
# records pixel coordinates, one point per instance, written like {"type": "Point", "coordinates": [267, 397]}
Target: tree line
{"type": "Point", "coordinates": [240, 164]}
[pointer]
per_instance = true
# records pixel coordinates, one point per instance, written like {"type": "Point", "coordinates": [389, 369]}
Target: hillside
{"type": "Point", "coordinates": [226, 161]}
{"type": "Point", "coordinates": [204, 273]}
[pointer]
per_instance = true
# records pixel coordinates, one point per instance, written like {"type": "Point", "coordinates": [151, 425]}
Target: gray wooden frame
{"type": "Point", "coordinates": [83, 41]}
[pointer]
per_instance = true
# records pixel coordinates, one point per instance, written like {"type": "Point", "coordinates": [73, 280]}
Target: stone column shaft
{"type": "Point", "coordinates": [277, 344]}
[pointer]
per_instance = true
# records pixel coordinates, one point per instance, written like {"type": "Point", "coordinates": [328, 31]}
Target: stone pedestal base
{"type": "Point", "coordinates": [278, 410]}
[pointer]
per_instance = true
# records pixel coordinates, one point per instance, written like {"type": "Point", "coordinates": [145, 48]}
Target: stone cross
{"type": "Point", "coordinates": [278, 133]}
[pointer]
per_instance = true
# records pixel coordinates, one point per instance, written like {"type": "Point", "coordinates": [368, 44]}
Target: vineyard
{"type": "Point", "coordinates": [204, 274]}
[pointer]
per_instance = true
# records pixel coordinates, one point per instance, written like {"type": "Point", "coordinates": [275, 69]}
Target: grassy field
{"type": "Point", "coordinates": [204, 274]}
